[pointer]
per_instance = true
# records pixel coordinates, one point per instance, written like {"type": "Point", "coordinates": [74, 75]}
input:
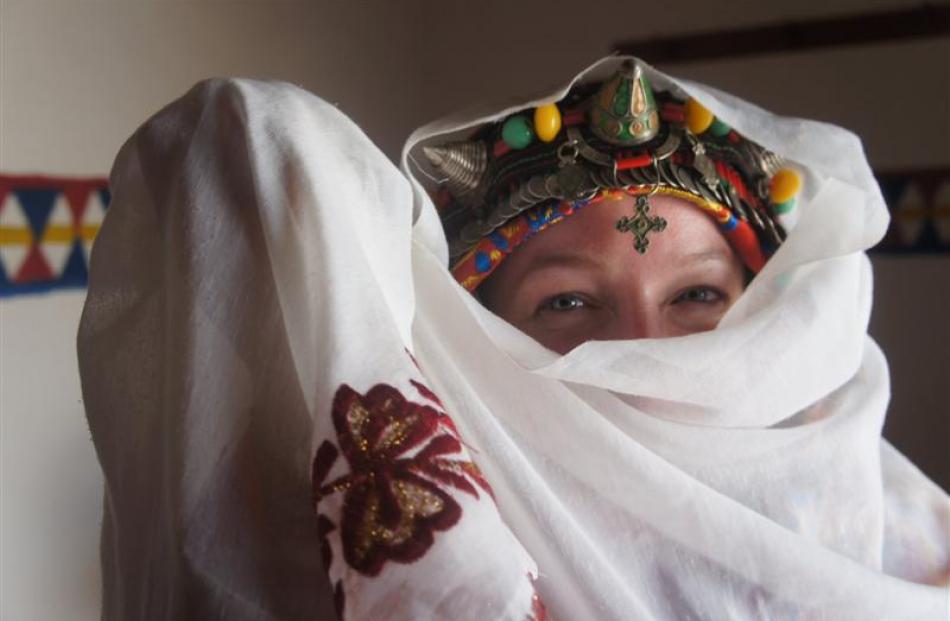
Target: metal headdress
{"type": "Point", "coordinates": [513, 178]}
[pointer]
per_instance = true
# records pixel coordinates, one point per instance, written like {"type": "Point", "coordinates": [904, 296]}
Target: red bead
{"type": "Point", "coordinates": [638, 161]}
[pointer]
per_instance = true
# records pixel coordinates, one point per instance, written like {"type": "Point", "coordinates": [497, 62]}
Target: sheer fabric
{"type": "Point", "coordinates": [280, 375]}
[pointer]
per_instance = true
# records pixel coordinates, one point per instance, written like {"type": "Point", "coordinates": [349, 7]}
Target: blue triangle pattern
{"type": "Point", "coordinates": [4, 281]}
{"type": "Point", "coordinates": [75, 271]}
{"type": "Point", "coordinates": [37, 205]}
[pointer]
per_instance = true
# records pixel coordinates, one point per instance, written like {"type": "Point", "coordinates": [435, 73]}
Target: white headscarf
{"type": "Point", "coordinates": [256, 291]}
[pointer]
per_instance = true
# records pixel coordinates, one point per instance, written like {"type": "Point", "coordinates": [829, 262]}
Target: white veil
{"type": "Point", "coordinates": [264, 269]}
{"type": "Point", "coordinates": [737, 473]}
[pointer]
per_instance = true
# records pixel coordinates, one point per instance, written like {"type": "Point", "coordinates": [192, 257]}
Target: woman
{"type": "Point", "coordinates": [270, 313]}
{"type": "Point", "coordinates": [632, 153]}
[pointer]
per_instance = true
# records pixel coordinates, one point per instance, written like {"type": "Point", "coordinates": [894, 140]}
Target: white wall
{"type": "Point", "coordinates": [77, 77]}
{"type": "Point", "coordinates": [51, 487]}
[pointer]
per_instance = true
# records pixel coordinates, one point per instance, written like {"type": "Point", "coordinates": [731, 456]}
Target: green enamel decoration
{"type": "Point", "coordinates": [622, 99]}
{"type": "Point", "coordinates": [517, 132]}
{"type": "Point", "coordinates": [624, 135]}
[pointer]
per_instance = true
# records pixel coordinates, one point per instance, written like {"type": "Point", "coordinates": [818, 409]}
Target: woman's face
{"type": "Point", "coordinates": [582, 280]}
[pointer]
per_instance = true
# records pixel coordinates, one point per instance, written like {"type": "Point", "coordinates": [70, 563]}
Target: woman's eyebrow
{"type": "Point", "coordinates": [713, 254]}
{"type": "Point", "coordinates": [563, 259]}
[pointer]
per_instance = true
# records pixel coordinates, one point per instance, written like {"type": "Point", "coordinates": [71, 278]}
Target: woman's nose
{"type": "Point", "coordinates": [637, 321]}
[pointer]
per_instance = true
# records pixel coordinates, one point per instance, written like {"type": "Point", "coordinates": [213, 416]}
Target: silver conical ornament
{"type": "Point", "coordinates": [624, 112]}
{"type": "Point", "coordinates": [463, 164]}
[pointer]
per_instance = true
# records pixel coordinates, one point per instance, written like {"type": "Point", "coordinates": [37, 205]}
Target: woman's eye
{"type": "Point", "coordinates": [699, 295]}
{"type": "Point", "coordinates": [563, 302]}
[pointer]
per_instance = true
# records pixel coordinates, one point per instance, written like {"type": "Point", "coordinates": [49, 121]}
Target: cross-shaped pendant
{"type": "Point", "coordinates": [641, 224]}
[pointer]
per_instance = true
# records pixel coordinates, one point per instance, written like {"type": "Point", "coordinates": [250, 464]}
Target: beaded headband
{"type": "Point", "coordinates": [515, 177]}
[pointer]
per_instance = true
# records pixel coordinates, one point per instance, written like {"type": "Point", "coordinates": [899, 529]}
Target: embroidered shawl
{"type": "Point", "coordinates": [300, 414]}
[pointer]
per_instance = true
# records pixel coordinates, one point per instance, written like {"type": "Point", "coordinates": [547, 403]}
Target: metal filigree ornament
{"type": "Point", "coordinates": [701, 162]}
{"type": "Point", "coordinates": [573, 180]}
{"type": "Point", "coordinates": [641, 224]}
{"type": "Point", "coordinates": [463, 164]}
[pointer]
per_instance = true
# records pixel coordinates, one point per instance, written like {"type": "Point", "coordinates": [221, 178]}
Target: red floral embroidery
{"type": "Point", "coordinates": [425, 392]}
{"type": "Point", "coordinates": [393, 502]}
{"type": "Point", "coordinates": [324, 528]}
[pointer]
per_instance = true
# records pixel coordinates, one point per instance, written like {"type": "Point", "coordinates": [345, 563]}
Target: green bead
{"type": "Point", "coordinates": [784, 208]}
{"type": "Point", "coordinates": [718, 128]}
{"type": "Point", "coordinates": [516, 132]}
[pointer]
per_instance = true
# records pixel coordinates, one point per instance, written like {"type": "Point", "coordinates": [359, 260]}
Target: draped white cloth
{"type": "Point", "coordinates": [255, 292]}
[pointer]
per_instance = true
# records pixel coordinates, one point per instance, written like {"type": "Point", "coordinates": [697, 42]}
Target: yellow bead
{"type": "Point", "coordinates": [785, 185]}
{"type": "Point", "coordinates": [698, 118]}
{"type": "Point", "coordinates": [547, 122]}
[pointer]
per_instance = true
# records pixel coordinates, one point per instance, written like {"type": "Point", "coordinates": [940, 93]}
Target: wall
{"type": "Point", "coordinates": [77, 77]}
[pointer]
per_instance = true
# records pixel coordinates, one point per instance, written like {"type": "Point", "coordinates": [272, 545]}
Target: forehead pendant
{"type": "Point", "coordinates": [641, 224]}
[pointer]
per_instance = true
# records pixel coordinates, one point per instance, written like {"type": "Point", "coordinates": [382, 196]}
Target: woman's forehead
{"type": "Point", "coordinates": [595, 231]}
{"type": "Point", "coordinates": [590, 241]}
